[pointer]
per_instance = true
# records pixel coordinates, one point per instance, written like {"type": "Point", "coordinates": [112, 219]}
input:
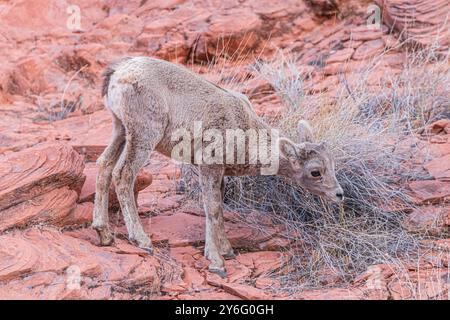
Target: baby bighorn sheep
{"type": "Point", "coordinates": [150, 101]}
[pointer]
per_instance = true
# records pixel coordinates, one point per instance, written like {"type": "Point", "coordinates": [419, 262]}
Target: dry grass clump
{"type": "Point", "coordinates": [285, 78]}
{"type": "Point", "coordinates": [61, 110]}
{"type": "Point", "coordinates": [416, 96]}
{"type": "Point", "coordinates": [364, 128]}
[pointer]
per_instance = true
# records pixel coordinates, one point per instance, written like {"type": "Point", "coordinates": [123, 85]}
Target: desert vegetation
{"type": "Point", "coordinates": [366, 128]}
{"type": "Point", "coordinates": [372, 79]}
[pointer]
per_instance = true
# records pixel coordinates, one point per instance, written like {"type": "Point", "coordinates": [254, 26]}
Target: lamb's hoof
{"type": "Point", "coordinates": [229, 255]}
{"type": "Point", "coordinates": [149, 250]}
{"type": "Point", "coordinates": [219, 271]}
{"type": "Point", "coordinates": [106, 237]}
{"type": "Point", "coordinates": [145, 244]}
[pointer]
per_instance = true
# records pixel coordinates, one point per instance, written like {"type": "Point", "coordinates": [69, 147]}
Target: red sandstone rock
{"type": "Point", "coordinates": [324, 8]}
{"type": "Point", "coordinates": [341, 55]}
{"type": "Point", "coordinates": [53, 207]}
{"type": "Point", "coordinates": [151, 202]}
{"type": "Point", "coordinates": [369, 49]}
{"type": "Point", "coordinates": [364, 33]}
{"type": "Point", "coordinates": [421, 22]}
{"type": "Point", "coordinates": [143, 180]}
{"type": "Point", "coordinates": [245, 291]}
{"type": "Point", "coordinates": [428, 219]}
{"type": "Point", "coordinates": [179, 229]}
{"type": "Point", "coordinates": [331, 294]}
{"type": "Point", "coordinates": [240, 290]}
{"type": "Point", "coordinates": [88, 134]}
{"type": "Point", "coordinates": [227, 33]}
{"type": "Point", "coordinates": [439, 127]}
{"type": "Point", "coordinates": [439, 168]}
{"type": "Point", "coordinates": [38, 170]}
{"type": "Point", "coordinates": [193, 278]}
{"type": "Point", "coordinates": [430, 191]}
{"type": "Point", "coordinates": [208, 295]}
{"type": "Point", "coordinates": [182, 229]}
{"type": "Point", "coordinates": [42, 54]}
{"type": "Point", "coordinates": [82, 214]}
{"type": "Point", "coordinates": [25, 272]}
{"type": "Point", "coordinates": [375, 276]}
{"type": "Point", "coordinates": [261, 263]}
{"type": "Point", "coordinates": [424, 286]}
{"type": "Point", "coordinates": [237, 272]}
{"type": "Point", "coordinates": [28, 77]}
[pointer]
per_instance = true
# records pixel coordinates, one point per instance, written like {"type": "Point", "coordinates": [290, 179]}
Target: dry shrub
{"type": "Point", "coordinates": [364, 128]}
{"type": "Point", "coordinates": [62, 109]}
{"type": "Point", "coordinates": [57, 110]}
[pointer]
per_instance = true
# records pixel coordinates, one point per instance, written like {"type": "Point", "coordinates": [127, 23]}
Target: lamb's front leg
{"type": "Point", "coordinates": [224, 244]}
{"type": "Point", "coordinates": [211, 180]}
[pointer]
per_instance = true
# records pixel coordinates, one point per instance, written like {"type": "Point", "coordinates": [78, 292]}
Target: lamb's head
{"type": "Point", "coordinates": [311, 165]}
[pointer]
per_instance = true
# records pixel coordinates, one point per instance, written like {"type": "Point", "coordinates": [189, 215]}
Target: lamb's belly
{"type": "Point", "coordinates": [242, 170]}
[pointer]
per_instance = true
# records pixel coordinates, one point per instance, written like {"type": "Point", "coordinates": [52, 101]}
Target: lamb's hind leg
{"type": "Point", "coordinates": [106, 163]}
{"type": "Point", "coordinates": [225, 248]}
{"type": "Point", "coordinates": [140, 141]}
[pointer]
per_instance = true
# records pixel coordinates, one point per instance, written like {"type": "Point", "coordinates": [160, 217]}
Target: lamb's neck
{"type": "Point", "coordinates": [284, 167]}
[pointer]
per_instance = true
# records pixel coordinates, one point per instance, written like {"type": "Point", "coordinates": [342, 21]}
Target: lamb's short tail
{"type": "Point", "coordinates": [109, 71]}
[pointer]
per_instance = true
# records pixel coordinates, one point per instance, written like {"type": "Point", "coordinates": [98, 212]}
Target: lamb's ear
{"type": "Point", "coordinates": [323, 145]}
{"type": "Point", "coordinates": [290, 150]}
{"type": "Point", "coordinates": [305, 131]}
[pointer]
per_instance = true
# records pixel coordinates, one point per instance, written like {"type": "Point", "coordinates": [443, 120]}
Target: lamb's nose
{"type": "Point", "coordinates": [340, 195]}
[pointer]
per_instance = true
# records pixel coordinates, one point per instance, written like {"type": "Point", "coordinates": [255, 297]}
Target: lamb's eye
{"type": "Point", "coordinates": [315, 173]}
